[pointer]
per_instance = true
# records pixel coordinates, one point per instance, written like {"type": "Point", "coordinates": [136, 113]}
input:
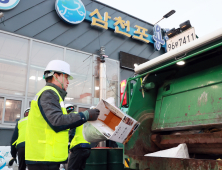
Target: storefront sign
{"type": "Point", "coordinates": [165, 30]}
{"type": "Point", "coordinates": [71, 11]}
{"type": "Point", "coordinates": [119, 26]}
{"type": "Point", "coordinates": [158, 37]}
{"type": "Point", "coordinates": [8, 4]}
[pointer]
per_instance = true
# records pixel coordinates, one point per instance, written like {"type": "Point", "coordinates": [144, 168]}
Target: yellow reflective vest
{"type": "Point", "coordinates": [21, 130]}
{"type": "Point", "coordinates": [42, 142]}
{"type": "Point", "coordinates": [78, 138]}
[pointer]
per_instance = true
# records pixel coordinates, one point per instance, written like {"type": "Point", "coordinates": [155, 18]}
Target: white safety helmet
{"type": "Point", "coordinates": [58, 66]}
{"type": "Point", "coordinates": [26, 112]}
{"type": "Point", "coordinates": [69, 107]}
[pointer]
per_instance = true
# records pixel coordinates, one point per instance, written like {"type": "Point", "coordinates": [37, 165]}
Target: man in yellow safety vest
{"type": "Point", "coordinates": [18, 142]}
{"type": "Point", "coordinates": [80, 148]}
{"type": "Point", "coordinates": [48, 123]}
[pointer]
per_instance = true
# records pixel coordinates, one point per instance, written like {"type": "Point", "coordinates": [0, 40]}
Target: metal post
{"type": "Point", "coordinates": [36, 81]}
{"type": "Point", "coordinates": [159, 21]}
{"type": "Point", "coordinates": [93, 81]}
{"type": "Point", "coordinates": [102, 83]}
{"type": "Point", "coordinates": [28, 74]}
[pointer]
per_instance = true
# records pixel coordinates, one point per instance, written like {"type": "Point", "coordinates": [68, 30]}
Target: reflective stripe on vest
{"type": "Point", "coordinates": [42, 142]}
{"type": "Point", "coordinates": [21, 130]}
{"type": "Point", "coordinates": [78, 138]}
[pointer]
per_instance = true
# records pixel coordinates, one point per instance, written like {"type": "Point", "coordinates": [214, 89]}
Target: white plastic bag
{"type": "Point", "coordinates": [5, 157]}
{"type": "Point", "coordinates": [2, 161]}
{"type": "Point", "coordinates": [91, 134]}
{"type": "Point", "coordinates": [180, 151]}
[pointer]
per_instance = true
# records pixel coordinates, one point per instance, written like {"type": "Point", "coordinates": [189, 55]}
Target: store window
{"type": "Point", "coordinates": [80, 88]}
{"type": "Point", "coordinates": [112, 76]}
{"type": "Point", "coordinates": [12, 110]}
{"type": "Point", "coordinates": [1, 107]}
{"type": "Point", "coordinates": [16, 60]}
{"type": "Point", "coordinates": [13, 64]}
{"type": "Point", "coordinates": [41, 55]}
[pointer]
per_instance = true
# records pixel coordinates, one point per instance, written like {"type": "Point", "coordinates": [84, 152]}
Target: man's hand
{"type": "Point", "coordinates": [10, 163]}
{"type": "Point", "coordinates": [93, 114]}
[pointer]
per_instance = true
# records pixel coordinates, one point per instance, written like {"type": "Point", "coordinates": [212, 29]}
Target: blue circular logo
{"type": "Point", "coordinates": [8, 4]}
{"type": "Point", "coordinates": [72, 11]}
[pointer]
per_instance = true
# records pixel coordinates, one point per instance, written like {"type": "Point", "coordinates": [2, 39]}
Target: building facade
{"type": "Point", "coordinates": [32, 34]}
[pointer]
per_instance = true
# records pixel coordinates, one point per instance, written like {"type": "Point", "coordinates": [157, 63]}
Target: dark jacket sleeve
{"type": "Point", "coordinates": [14, 138]}
{"type": "Point", "coordinates": [51, 111]}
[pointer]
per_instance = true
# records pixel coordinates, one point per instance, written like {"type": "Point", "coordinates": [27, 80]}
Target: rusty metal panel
{"type": "Point", "coordinates": [191, 101]}
{"type": "Point", "coordinates": [157, 163]}
{"type": "Point", "coordinates": [142, 110]}
{"type": "Point", "coordinates": [205, 143]}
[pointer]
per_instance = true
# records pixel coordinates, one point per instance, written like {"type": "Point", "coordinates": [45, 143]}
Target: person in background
{"type": "Point", "coordinates": [48, 123]}
{"type": "Point", "coordinates": [18, 142]}
{"type": "Point", "coordinates": [80, 149]}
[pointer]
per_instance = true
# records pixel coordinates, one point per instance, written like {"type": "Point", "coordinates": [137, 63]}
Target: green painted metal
{"type": "Point", "coordinates": [182, 59]}
{"type": "Point", "coordinates": [141, 109]}
{"type": "Point", "coordinates": [158, 163]}
{"type": "Point", "coordinates": [129, 90]}
{"type": "Point", "coordinates": [169, 64]}
{"type": "Point", "coordinates": [190, 101]}
{"type": "Point", "coordinates": [149, 86]}
{"type": "Point", "coordinates": [97, 159]}
{"type": "Point", "coordinates": [176, 102]}
{"type": "Point", "coordinates": [115, 159]}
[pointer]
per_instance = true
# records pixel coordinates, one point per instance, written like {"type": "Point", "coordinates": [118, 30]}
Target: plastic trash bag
{"type": "Point", "coordinates": [4, 163]}
{"type": "Point", "coordinates": [5, 157]}
{"type": "Point", "coordinates": [91, 134]}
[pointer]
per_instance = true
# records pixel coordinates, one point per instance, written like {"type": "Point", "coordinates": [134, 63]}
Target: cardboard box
{"type": "Point", "coordinates": [113, 123]}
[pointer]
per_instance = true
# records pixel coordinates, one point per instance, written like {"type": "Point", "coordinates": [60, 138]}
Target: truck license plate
{"type": "Point", "coordinates": [181, 39]}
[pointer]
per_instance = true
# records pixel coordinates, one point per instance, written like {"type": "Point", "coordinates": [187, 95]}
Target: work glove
{"type": "Point", "coordinates": [10, 163]}
{"type": "Point", "coordinates": [93, 114]}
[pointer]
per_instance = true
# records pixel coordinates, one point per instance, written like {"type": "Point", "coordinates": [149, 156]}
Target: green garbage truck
{"type": "Point", "coordinates": [177, 98]}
